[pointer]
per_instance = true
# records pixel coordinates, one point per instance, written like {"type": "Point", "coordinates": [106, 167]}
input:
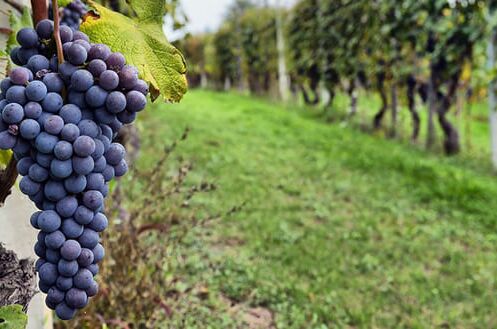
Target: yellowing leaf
{"type": "Point", "coordinates": [144, 45]}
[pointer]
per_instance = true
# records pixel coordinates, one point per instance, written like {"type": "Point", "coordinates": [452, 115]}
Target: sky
{"type": "Point", "coordinates": [207, 15]}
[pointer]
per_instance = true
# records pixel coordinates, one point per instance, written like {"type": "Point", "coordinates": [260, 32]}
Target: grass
{"type": "Point", "coordinates": [340, 229]}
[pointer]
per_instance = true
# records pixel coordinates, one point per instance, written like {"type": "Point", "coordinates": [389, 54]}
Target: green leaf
{"type": "Point", "coordinates": [12, 317]}
{"type": "Point", "coordinates": [149, 10]}
{"type": "Point", "coordinates": [144, 45]}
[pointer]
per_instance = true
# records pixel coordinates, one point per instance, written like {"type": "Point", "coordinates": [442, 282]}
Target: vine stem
{"type": "Point", "coordinates": [56, 31]}
{"type": "Point", "coordinates": [40, 10]}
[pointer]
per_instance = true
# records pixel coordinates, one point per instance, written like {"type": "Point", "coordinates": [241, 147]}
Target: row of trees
{"type": "Point", "coordinates": [409, 51]}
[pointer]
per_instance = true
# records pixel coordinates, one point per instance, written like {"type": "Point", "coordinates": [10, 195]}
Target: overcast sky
{"type": "Point", "coordinates": [207, 15]}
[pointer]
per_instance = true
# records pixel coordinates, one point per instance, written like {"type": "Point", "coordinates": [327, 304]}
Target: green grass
{"type": "Point", "coordinates": [340, 229]}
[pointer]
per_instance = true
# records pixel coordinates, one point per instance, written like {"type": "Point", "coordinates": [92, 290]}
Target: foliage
{"type": "Point", "coordinates": [13, 317]}
{"type": "Point", "coordinates": [159, 63]}
{"type": "Point", "coordinates": [227, 56]}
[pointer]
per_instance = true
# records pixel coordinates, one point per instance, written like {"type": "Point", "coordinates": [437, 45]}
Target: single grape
{"type": "Point", "coordinates": [55, 296]}
{"type": "Point", "coordinates": [89, 239]}
{"type": "Point", "coordinates": [75, 184]}
{"type": "Point", "coordinates": [116, 102]}
{"type": "Point", "coordinates": [109, 80]}
{"type": "Point", "coordinates": [67, 206]}
{"type": "Point", "coordinates": [5, 85]}
{"type": "Point", "coordinates": [95, 181]}
{"type": "Point", "coordinates": [66, 34]}
{"type": "Point", "coordinates": [71, 229]}
{"type": "Point", "coordinates": [64, 283]}
{"type": "Point", "coordinates": [142, 87]}
{"type": "Point", "coordinates": [83, 215]}
{"type": "Point", "coordinates": [48, 274]}
{"type": "Point", "coordinates": [99, 51]}
{"type": "Point", "coordinates": [128, 77]}
{"type": "Point", "coordinates": [61, 169]}
{"type": "Point", "coordinates": [86, 258]}
{"type": "Point", "coordinates": [23, 166]}
{"type": "Point", "coordinates": [32, 110]}
{"type": "Point", "coordinates": [65, 312]}
{"type": "Point", "coordinates": [89, 128]}
{"type": "Point", "coordinates": [115, 154]}
{"type": "Point", "coordinates": [54, 125]}
{"type": "Point", "coordinates": [68, 268]}
{"type": "Point", "coordinates": [99, 222]}
{"type": "Point", "coordinates": [49, 221]}
{"type": "Point", "coordinates": [77, 54]}
{"type": "Point", "coordinates": [70, 132]}
{"type": "Point", "coordinates": [55, 240]}
{"type": "Point", "coordinates": [81, 80]}
{"type": "Point", "coordinates": [99, 149]}
{"type": "Point", "coordinates": [38, 63]}
{"type": "Point", "coordinates": [19, 76]}
{"type": "Point", "coordinates": [136, 101]}
{"type": "Point", "coordinates": [109, 173]}
{"type": "Point", "coordinates": [40, 249]}
{"type": "Point", "coordinates": [121, 169]}
{"type": "Point", "coordinates": [16, 94]}
{"type": "Point", "coordinates": [70, 250]}
{"type": "Point", "coordinates": [97, 67]}
{"type": "Point", "coordinates": [45, 143]}
{"type": "Point", "coordinates": [76, 298]}
{"type": "Point", "coordinates": [53, 82]}
{"type": "Point", "coordinates": [38, 173]}
{"type": "Point", "coordinates": [28, 186]}
{"type": "Point", "coordinates": [98, 253]}
{"type": "Point", "coordinates": [44, 29]}
{"type": "Point", "coordinates": [83, 166]}
{"type": "Point", "coordinates": [14, 55]}
{"type": "Point", "coordinates": [126, 117]}
{"type": "Point", "coordinates": [27, 37]}
{"type": "Point", "coordinates": [36, 91]}
{"type": "Point", "coordinates": [84, 146]}
{"type": "Point", "coordinates": [95, 96]}
{"type": "Point", "coordinates": [52, 103]}
{"type": "Point", "coordinates": [13, 113]}
{"type": "Point", "coordinates": [93, 200]}
{"type": "Point", "coordinates": [63, 150]}
{"type": "Point", "coordinates": [54, 191]}
{"type": "Point", "coordinates": [115, 61]}
{"type": "Point", "coordinates": [29, 129]}
{"type": "Point", "coordinates": [83, 279]}
{"type": "Point", "coordinates": [93, 290]}
{"type": "Point", "coordinates": [100, 165]}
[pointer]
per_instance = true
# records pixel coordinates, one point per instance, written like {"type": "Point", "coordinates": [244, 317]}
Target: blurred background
{"type": "Point", "coordinates": [332, 166]}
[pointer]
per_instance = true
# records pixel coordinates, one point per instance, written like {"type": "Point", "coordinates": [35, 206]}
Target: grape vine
{"type": "Point", "coordinates": [60, 115]}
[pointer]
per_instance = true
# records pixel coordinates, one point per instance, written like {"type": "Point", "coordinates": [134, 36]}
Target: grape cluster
{"type": "Point", "coordinates": [72, 14]}
{"type": "Point", "coordinates": [61, 122]}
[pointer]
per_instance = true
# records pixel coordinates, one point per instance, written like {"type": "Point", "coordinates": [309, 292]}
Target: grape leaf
{"type": "Point", "coordinates": [12, 317]}
{"type": "Point", "coordinates": [64, 3]}
{"type": "Point", "coordinates": [149, 10]}
{"type": "Point", "coordinates": [144, 45]}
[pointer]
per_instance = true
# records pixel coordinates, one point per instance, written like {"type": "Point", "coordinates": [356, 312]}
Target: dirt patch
{"type": "Point", "coordinates": [253, 317]}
